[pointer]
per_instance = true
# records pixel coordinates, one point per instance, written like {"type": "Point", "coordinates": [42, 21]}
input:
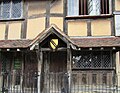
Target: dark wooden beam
{"type": "Point", "coordinates": [56, 15]}
{"type": "Point", "coordinates": [97, 49]}
{"type": "Point", "coordinates": [112, 27]}
{"type": "Point", "coordinates": [37, 16]}
{"type": "Point", "coordinates": [69, 64]}
{"type": "Point", "coordinates": [90, 17]}
{"type": "Point", "coordinates": [88, 27]}
{"type": "Point", "coordinates": [58, 49]}
{"type": "Point", "coordinates": [65, 27]}
{"type": "Point", "coordinates": [47, 14]}
{"type": "Point", "coordinates": [113, 5]}
{"type": "Point", "coordinates": [7, 20]}
{"type": "Point", "coordinates": [6, 30]}
{"type": "Point", "coordinates": [24, 23]}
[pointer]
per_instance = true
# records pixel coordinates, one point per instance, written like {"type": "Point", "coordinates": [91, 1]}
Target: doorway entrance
{"type": "Point", "coordinates": [55, 68]}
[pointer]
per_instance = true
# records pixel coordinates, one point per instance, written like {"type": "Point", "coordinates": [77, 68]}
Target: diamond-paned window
{"type": "Point", "coordinates": [96, 59]}
{"type": "Point", "coordinates": [11, 9]}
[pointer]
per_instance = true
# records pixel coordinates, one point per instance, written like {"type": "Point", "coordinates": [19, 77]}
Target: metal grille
{"type": "Point", "coordinates": [18, 82]}
{"type": "Point", "coordinates": [16, 8]}
{"type": "Point", "coordinates": [55, 83]}
{"type": "Point", "coordinates": [96, 59]}
{"type": "Point", "coordinates": [79, 81]}
{"type": "Point", "coordinates": [93, 82]}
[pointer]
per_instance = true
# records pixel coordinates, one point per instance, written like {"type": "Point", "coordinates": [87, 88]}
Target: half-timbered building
{"type": "Point", "coordinates": [59, 46]}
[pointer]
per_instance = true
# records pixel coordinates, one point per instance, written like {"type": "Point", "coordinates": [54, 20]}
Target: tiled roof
{"type": "Point", "coordinates": [97, 42]}
{"type": "Point", "coordinates": [14, 43]}
{"type": "Point", "coordinates": [80, 42]}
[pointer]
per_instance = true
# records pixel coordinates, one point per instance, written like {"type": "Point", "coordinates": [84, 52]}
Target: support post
{"type": "Point", "coordinates": [39, 56]}
{"type": "Point", "coordinates": [69, 68]}
{"type": "Point", "coordinates": [118, 69]}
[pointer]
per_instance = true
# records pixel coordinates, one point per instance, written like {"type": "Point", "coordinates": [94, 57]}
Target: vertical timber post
{"type": "Point", "coordinates": [39, 54]}
{"type": "Point", "coordinates": [118, 69]}
{"type": "Point", "coordinates": [3, 73]}
{"type": "Point", "coordinates": [69, 68]}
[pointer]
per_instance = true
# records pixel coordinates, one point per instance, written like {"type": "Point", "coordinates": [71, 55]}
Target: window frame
{"type": "Point", "coordinates": [10, 11]}
{"type": "Point", "coordinates": [91, 64]}
{"type": "Point", "coordinates": [88, 15]}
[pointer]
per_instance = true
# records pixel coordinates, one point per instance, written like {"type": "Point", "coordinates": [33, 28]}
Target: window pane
{"type": "Point", "coordinates": [94, 7]}
{"type": "Point", "coordinates": [16, 8]}
{"type": "Point", "coordinates": [6, 9]}
{"type": "Point", "coordinates": [73, 7]}
{"type": "Point", "coordinates": [96, 59]}
{"type": "Point", "coordinates": [90, 8]}
{"type": "Point", "coordinates": [106, 59]}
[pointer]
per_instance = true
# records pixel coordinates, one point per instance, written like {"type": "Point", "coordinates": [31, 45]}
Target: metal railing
{"type": "Point", "coordinates": [74, 82]}
{"type": "Point", "coordinates": [17, 82]}
{"type": "Point", "coordinates": [93, 82]}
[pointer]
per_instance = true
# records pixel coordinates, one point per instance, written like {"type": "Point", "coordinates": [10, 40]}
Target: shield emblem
{"type": "Point", "coordinates": [54, 43]}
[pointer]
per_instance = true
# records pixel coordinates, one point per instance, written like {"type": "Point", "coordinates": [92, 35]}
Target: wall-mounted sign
{"type": "Point", "coordinates": [54, 43]}
{"type": "Point", "coordinates": [17, 64]}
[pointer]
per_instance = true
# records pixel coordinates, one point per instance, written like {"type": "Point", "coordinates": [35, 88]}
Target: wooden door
{"type": "Point", "coordinates": [58, 62]}
{"type": "Point", "coordinates": [55, 68]}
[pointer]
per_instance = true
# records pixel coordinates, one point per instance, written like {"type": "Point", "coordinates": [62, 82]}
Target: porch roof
{"type": "Point", "coordinates": [97, 42]}
{"type": "Point", "coordinates": [79, 42]}
{"type": "Point", "coordinates": [14, 43]}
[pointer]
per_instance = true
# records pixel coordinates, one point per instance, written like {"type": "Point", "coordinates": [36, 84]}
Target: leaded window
{"type": "Point", "coordinates": [92, 60]}
{"type": "Point", "coordinates": [11, 9]}
{"type": "Point", "coordinates": [88, 7]}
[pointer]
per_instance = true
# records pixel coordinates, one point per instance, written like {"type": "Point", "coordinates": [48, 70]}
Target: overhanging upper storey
{"type": "Point", "coordinates": [54, 38]}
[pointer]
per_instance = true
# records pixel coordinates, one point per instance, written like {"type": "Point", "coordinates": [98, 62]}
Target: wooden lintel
{"type": "Point", "coordinates": [89, 17]}
{"type": "Point", "coordinates": [13, 49]}
{"type": "Point", "coordinates": [58, 49]}
{"type": "Point", "coordinates": [97, 49]}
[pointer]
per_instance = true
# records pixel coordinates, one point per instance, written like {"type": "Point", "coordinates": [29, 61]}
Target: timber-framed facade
{"type": "Point", "coordinates": [59, 46]}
